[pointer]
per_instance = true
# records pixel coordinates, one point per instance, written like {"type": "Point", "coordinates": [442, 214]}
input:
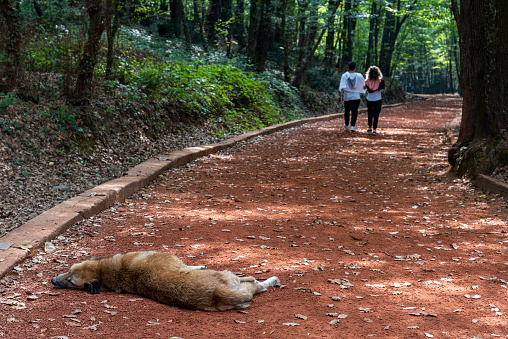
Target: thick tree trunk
{"type": "Point", "coordinates": [482, 145]}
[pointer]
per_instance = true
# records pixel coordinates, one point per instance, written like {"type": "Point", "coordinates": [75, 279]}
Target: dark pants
{"type": "Point", "coordinates": [373, 110]}
{"type": "Point", "coordinates": [351, 106]}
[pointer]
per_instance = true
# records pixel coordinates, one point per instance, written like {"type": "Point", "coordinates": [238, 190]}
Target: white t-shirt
{"type": "Point", "coordinates": [352, 84]}
{"type": "Point", "coordinates": [374, 96]}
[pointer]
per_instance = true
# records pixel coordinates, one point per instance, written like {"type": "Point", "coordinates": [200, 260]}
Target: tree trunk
{"type": "Point", "coordinates": [253, 30]}
{"type": "Point", "coordinates": [82, 89]}
{"type": "Point", "coordinates": [302, 31]}
{"type": "Point", "coordinates": [393, 24]}
{"type": "Point", "coordinates": [372, 26]}
{"type": "Point", "coordinates": [239, 24]}
{"type": "Point", "coordinates": [347, 53]}
{"type": "Point", "coordinates": [300, 72]}
{"type": "Point", "coordinates": [285, 41]}
{"type": "Point", "coordinates": [330, 37]}
{"type": "Point", "coordinates": [113, 20]}
{"type": "Point", "coordinates": [263, 37]}
{"type": "Point", "coordinates": [12, 60]}
{"type": "Point", "coordinates": [176, 19]}
{"type": "Point", "coordinates": [213, 18]}
{"type": "Point", "coordinates": [482, 144]}
{"type": "Point", "coordinates": [457, 61]}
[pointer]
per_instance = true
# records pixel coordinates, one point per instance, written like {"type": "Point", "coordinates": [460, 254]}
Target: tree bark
{"type": "Point", "coordinates": [176, 19]}
{"type": "Point", "coordinates": [372, 27]}
{"type": "Point", "coordinates": [393, 24]}
{"type": "Point", "coordinates": [482, 144]}
{"type": "Point", "coordinates": [82, 90]}
{"type": "Point", "coordinates": [263, 36]}
{"type": "Point", "coordinates": [347, 49]}
{"type": "Point", "coordinates": [285, 41]}
{"type": "Point", "coordinates": [330, 37]}
{"type": "Point", "coordinates": [239, 24]}
{"type": "Point", "coordinates": [302, 31]}
{"type": "Point", "coordinates": [253, 30]}
{"type": "Point", "coordinates": [213, 18]}
{"type": "Point", "coordinates": [300, 72]}
{"type": "Point", "coordinates": [12, 62]}
{"type": "Point", "coordinates": [114, 16]}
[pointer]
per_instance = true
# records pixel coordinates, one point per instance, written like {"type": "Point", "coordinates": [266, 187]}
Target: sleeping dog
{"type": "Point", "coordinates": [165, 278]}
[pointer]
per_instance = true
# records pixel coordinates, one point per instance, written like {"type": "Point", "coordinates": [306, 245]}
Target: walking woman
{"type": "Point", "coordinates": [374, 85]}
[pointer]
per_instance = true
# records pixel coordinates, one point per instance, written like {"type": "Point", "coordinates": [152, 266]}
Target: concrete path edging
{"type": "Point", "coordinates": [22, 242]}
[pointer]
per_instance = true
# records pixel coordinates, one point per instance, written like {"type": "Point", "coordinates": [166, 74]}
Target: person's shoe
{"type": "Point", "coordinates": [374, 133]}
{"type": "Point", "coordinates": [346, 127]}
{"type": "Point", "coordinates": [352, 129]}
{"type": "Point", "coordinates": [369, 130]}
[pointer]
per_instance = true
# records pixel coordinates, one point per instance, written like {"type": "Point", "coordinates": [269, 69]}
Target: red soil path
{"type": "Point", "coordinates": [367, 234]}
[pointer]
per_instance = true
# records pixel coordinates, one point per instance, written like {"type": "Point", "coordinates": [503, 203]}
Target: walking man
{"type": "Point", "coordinates": [351, 83]}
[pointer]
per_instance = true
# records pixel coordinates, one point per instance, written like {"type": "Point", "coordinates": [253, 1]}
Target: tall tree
{"type": "Point", "coordinates": [114, 16]}
{"type": "Point", "coordinates": [89, 58]}
{"type": "Point", "coordinates": [300, 72]}
{"type": "Point", "coordinates": [394, 19]}
{"type": "Point", "coordinates": [482, 145]}
{"type": "Point", "coordinates": [350, 16]}
{"type": "Point", "coordinates": [263, 37]}
{"type": "Point", "coordinates": [219, 13]}
{"type": "Point", "coordinates": [373, 31]}
{"type": "Point", "coordinates": [10, 11]}
{"type": "Point", "coordinates": [330, 36]}
{"type": "Point", "coordinates": [239, 24]}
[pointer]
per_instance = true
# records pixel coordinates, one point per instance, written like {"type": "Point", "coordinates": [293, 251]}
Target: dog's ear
{"type": "Point", "coordinates": [91, 258]}
{"type": "Point", "coordinates": [94, 288]}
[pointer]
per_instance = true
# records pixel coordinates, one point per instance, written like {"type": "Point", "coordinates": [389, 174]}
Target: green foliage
{"type": "Point", "coordinates": [230, 99]}
{"type": "Point", "coordinates": [64, 118]}
{"type": "Point", "coordinates": [8, 99]}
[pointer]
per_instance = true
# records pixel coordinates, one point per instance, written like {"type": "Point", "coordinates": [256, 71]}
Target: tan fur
{"type": "Point", "coordinates": [164, 278]}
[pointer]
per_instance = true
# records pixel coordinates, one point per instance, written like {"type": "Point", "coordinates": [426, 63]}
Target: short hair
{"type": "Point", "coordinates": [352, 65]}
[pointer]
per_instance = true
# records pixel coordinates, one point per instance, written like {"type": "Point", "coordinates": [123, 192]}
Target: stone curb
{"type": "Point", "coordinates": [491, 185]}
{"type": "Point", "coordinates": [24, 240]}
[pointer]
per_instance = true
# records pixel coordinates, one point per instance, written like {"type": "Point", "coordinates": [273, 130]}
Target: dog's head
{"type": "Point", "coordinates": [83, 276]}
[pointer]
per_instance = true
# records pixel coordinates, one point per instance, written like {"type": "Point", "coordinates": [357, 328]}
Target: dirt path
{"type": "Point", "coordinates": [367, 236]}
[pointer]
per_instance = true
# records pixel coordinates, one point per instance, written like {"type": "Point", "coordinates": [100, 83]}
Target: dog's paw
{"type": "Point", "coordinates": [190, 268]}
{"type": "Point", "coordinates": [273, 281]}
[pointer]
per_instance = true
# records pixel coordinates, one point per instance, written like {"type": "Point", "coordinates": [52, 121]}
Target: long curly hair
{"type": "Point", "coordinates": [373, 73]}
